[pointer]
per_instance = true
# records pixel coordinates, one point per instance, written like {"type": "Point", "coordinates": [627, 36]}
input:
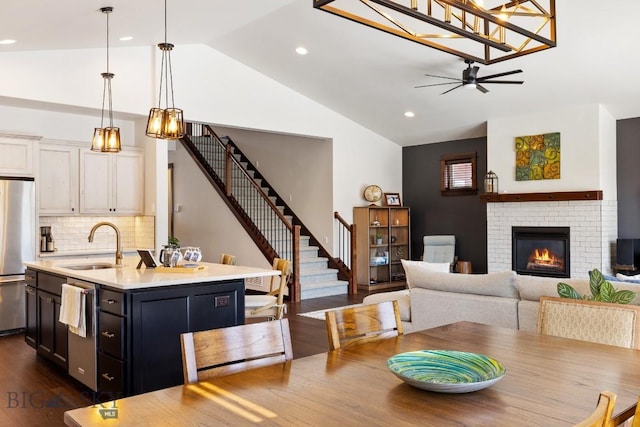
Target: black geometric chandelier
{"type": "Point", "coordinates": [167, 122]}
{"type": "Point", "coordinates": [483, 31]}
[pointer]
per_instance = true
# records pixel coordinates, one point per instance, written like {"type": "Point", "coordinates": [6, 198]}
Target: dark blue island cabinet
{"type": "Point", "coordinates": [139, 331]}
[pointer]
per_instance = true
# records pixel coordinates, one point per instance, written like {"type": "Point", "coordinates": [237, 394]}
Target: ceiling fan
{"type": "Point", "coordinates": [471, 80]}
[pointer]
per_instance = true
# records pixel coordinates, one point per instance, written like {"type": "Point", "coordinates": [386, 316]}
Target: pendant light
{"type": "Point", "coordinates": [165, 123]}
{"type": "Point", "coordinates": [106, 139]}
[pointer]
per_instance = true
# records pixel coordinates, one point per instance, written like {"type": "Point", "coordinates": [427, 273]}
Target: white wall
{"type": "Point", "coordinates": [607, 155]}
{"type": "Point", "coordinates": [204, 220]}
{"type": "Point", "coordinates": [72, 77]}
{"type": "Point", "coordinates": [300, 169]}
{"type": "Point", "coordinates": [588, 160]}
{"type": "Point", "coordinates": [210, 87]}
{"type": "Point", "coordinates": [59, 126]}
{"type": "Point", "coordinates": [587, 149]}
{"type": "Point", "coordinates": [214, 88]}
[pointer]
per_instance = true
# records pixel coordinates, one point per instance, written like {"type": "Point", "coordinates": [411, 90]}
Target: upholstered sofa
{"type": "Point", "coordinates": [505, 298]}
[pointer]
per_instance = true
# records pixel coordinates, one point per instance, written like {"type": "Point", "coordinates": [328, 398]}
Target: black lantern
{"type": "Point", "coordinates": [491, 183]}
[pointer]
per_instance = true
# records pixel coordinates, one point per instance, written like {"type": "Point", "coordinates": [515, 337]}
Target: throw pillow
{"type": "Point", "coordinates": [414, 269]}
{"type": "Point", "coordinates": [441, 267]}
{"type": "Point", "coordinates": [628, 279]}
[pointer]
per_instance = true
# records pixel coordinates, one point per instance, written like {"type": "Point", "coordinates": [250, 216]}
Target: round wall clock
{"type": "Point", "coordinates": [372, 193]}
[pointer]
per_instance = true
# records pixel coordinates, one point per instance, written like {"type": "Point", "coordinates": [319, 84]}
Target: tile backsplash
{"type": "Point", "coordinates": [71, 232]}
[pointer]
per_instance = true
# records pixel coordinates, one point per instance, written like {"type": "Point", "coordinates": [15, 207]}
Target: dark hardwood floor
{"type": "Point", "coordinates": [34, 392]}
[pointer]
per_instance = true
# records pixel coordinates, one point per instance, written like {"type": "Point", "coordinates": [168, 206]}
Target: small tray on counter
{"type": "Point", "coordinates": [181, 269]}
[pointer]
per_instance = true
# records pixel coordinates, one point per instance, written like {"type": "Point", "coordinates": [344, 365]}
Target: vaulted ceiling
{"type": "Point", "coordinates": [363, 74]}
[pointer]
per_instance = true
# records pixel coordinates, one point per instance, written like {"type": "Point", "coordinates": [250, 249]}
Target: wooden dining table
{"type": "Point", "coordinates": [549, 381]}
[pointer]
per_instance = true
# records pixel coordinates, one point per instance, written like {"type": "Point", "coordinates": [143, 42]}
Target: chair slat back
{"type": "Point", "coordinates": [223, 351]}
{"type": "Point", "coordinates": [272, 305]}
{"type": "Point", "coordinates": [599, 322]}
{"type": "Point", "coordinates": [357, 325]}
{"type": "Point", "coordinates": [227, 259]}
{"type": "Point", "coordinates": [285, 274]}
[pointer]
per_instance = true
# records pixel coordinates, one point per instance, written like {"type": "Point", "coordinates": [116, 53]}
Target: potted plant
{"type": "Point", "coordinates": [601, 290]}
{"type": "Point", "coordinates": [378, 239]}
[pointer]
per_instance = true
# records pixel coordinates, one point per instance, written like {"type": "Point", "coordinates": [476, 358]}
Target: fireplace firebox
{"type": "Point", "coordinates": [541, 251]}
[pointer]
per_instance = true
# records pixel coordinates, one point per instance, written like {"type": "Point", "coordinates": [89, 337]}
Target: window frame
{"type": "Point", "coordinates": [449, 159]}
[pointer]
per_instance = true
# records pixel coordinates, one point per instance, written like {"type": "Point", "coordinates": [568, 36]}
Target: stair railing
{"type": "Point", "coordinates": [347, 252]}
{"type": "Point", "coordinates": [304, 230]}
{"type": "Point", "coordinates": [269, 228]}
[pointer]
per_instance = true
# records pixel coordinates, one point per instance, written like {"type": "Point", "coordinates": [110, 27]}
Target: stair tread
{"type": "Point", "coordinates": [312, 259]}
{"type": "Point", "coordinates": [324, 284]}
{"type": "Point", "coordinates": [318, 271]}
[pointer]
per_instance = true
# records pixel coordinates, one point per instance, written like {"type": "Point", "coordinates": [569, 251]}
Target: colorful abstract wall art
{"type": "Point", "coordinates": [538, 157]}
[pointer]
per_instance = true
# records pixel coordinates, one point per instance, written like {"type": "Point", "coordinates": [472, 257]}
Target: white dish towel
{"type": "Point", "coordinates": [72, 309]}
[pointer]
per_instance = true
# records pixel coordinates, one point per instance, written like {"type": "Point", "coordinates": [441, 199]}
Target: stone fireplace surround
{"type": "Point", "coordinates": [593, 226]}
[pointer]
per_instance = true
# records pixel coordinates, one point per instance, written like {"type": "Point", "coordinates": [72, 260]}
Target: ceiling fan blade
{"type": "Point", "coordinates": [460, 85]}
{"type": "Point", "coordinates": [507, 73]}
{"type": "Point", "coordinates": [508, 82]}
{"type": "Point", "coordinates": [438, 84]}
{"type": "Point", "coordinates": [482, 88]}
{"type": "Point", "coordinates": [442, 77]}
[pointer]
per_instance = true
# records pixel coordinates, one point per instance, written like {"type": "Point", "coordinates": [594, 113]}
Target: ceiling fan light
{"type": "Point", "coordinates": [469, 85]}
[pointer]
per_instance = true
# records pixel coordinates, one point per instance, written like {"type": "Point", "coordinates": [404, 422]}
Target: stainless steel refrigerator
{"type": "Point", "coordinates": [17, 244]}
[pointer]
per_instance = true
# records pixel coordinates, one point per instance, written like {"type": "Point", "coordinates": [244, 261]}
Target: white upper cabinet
{"type": "Point", "coordinates": [17, 156]}
{"type": "Point", "coordinates": [112, 183]}
{"type": "Point", "coordinates": [129, 182]}
{"type": "Point", "coordinates": [58, 179]}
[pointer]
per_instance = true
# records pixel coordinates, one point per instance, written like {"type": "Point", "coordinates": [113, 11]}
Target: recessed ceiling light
{"type": "Point", "coordinates": [125, 38]}
{"type": "Point", "coordinates": [7, 41]}
{"type": "Point", "coordinates": [301, 50]}
{"type": "Point", "coordinates": [409, 114]}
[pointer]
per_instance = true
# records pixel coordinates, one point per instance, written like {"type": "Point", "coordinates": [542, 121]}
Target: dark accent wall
{"type": "Point", "coordinates": [431, 213]}
{"type": "Point", "coordinates": [466, 217]}
{"type": "Point", "coordinates": [628, 176]}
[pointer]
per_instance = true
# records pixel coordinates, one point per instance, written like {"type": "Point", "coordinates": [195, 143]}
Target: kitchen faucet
{"type": "Point", "coordinates": [118, 243]}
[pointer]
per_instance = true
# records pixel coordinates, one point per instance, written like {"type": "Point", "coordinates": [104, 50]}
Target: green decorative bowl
{"type": "Point", "coordinates": [446, 371]}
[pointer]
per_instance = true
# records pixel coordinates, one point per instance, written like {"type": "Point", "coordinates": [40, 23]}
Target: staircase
{"type": "Point", "coordinates": [273, 226]}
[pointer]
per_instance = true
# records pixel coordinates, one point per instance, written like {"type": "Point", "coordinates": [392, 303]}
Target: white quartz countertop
{"type": "Point", "coordinates": [128, 277]}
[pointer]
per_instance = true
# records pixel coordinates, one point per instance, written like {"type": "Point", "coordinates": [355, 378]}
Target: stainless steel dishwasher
{"type": "Point", "coordinates": [83, 351]}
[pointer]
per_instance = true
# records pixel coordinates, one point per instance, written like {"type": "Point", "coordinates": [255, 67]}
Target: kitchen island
{"type": "Point", "coordinates": [137, 316]}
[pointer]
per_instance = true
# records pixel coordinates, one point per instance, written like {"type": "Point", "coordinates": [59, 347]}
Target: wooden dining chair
{"type": "Point", "coordinates": [270, 305]}
{"type": "Point", "coordinates": [599, 322]}
{"type": "Point", "coordinates": [629, 417]}
{"type": "Point", "coordinates": [364, 323]}
{"type": "Point", "coordinates": [227, 259]}
{"type": "Point", "coordinates": [223, 351]}
{"type": "Point", "coordinates": [602, 415]}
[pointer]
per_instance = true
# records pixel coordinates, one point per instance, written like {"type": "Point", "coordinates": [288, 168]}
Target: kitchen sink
{"type": "Point", "coordinates": [95, 266]}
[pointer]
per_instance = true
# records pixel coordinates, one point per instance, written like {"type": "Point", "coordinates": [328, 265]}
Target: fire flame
{"type": "Point", "coordinates": [544, 256]}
